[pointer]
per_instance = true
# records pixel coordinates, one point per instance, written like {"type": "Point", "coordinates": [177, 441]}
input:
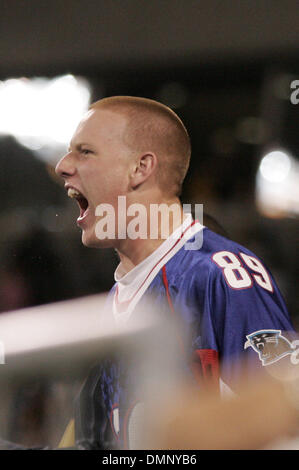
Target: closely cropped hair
{"type": "Point", "coordinates": [152, 126]}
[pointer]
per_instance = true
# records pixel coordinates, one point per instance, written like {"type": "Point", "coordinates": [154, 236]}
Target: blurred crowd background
{"type": "Point", "coordinates": [227, 68]}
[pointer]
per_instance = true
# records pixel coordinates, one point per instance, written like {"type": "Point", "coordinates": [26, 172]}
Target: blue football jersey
{"type": "Point", "coordinates": [228, 306]}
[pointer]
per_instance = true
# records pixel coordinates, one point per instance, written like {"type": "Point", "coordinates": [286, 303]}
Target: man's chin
{"type": "Point", "coordinates": [91, 241]}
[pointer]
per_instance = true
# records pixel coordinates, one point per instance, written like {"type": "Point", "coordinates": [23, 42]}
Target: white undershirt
{"type": "Point", "coordinates": [132, 285]}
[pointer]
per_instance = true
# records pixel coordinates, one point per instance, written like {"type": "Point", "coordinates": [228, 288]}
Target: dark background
{"type": "Point", "coordinates": [216, 63]}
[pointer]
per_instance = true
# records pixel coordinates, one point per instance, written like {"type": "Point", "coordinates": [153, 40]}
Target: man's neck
{"type": "Point", "coordinates": [132, 252]}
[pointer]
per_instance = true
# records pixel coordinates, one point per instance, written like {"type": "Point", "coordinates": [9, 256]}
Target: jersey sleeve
{"type": "Point", "coordinates": [244, 321]}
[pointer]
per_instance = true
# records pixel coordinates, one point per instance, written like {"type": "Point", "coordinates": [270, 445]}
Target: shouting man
{"type": "Point", "coordinates": [130, 156]}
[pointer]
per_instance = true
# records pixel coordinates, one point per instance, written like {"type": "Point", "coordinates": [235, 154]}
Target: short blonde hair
{"type": "Point", "coordinates": [152, 126]}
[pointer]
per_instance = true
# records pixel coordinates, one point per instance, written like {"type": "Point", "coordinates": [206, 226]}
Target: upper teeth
{"type": "Point", "coordinates": [73, 193]}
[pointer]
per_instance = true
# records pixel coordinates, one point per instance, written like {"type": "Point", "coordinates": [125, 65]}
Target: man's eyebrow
{"type": "Point", "coordinates": [77, 146]}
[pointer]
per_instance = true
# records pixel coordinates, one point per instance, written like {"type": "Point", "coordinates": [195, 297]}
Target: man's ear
{"type": "Point", "coordinates": [143, 169]}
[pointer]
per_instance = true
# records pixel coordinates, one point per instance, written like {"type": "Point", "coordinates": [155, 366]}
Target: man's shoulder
{"type": "Point", "coordinates": [204, 256]}
{"type": "Point", "coordinates": [214, 242]}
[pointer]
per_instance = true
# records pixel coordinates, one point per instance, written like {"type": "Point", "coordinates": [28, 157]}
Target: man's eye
{"type": "Point", "coordinates": [85, 151]}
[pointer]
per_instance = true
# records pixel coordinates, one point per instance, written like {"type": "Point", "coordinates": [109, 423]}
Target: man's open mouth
{"type": "Point", "coordinates": [81, 200]}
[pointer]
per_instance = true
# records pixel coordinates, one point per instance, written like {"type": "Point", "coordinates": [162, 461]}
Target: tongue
{"type": "Point", "coordinates": [82, 211]}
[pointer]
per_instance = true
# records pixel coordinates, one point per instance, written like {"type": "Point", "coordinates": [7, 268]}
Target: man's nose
{"type": "Point", "coordinates": [65, 167]}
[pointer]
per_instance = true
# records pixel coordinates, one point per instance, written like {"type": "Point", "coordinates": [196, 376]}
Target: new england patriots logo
{"type": "Point", "coordinates": [269, 344]}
